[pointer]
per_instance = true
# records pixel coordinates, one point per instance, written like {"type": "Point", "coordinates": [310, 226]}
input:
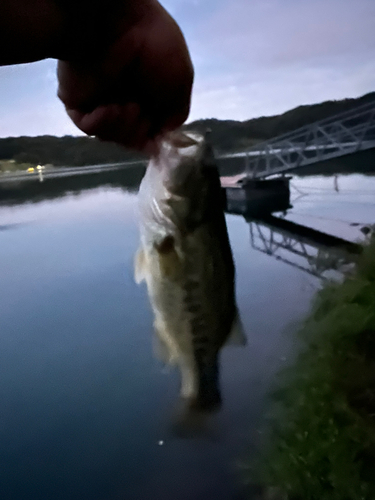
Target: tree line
{"type": "Point", "coordinates": [226, 135]}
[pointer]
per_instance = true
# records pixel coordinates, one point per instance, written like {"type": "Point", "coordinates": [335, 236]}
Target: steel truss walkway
{"type": "Point", "coordinates": [338, 135]}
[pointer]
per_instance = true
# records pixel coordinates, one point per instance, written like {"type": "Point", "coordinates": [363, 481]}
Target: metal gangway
{"type": "Point", "coordinates": [338, 135]}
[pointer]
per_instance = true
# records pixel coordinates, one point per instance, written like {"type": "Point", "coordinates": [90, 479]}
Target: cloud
{"type": "Point", "coordinates": [264, 32]}
{"type": "Point", "coordinates": [275, 91]}
{"type": "Point", "coordinates": [264, 57]}
{"type": "Point", "coordinates": [252, 58]}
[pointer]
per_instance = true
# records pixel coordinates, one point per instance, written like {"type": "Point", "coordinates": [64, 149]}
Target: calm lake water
{"type": "Point", "coordinates": [86, 410]}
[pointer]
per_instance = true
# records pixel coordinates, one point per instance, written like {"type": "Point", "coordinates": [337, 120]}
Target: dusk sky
{"type": "Point", "coordinates": [252, 58]}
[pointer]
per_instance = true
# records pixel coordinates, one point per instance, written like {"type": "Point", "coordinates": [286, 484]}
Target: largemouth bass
{"type": "Point", "coordinates": [186, 260]}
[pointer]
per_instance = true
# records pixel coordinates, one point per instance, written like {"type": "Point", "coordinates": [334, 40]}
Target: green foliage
{"type": "Point", "coordinates": [62, 151]}
{"type": "Point", "coordinates": [12, 166]}
{"type": "Point", "coordinates": [322, 442]}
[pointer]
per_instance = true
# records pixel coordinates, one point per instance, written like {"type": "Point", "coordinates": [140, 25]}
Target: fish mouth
{"type": "Point", "coordinates": [182, 140]}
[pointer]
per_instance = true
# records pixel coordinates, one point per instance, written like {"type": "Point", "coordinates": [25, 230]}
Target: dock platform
{"type": "Point", "coordinates": [255, 197]}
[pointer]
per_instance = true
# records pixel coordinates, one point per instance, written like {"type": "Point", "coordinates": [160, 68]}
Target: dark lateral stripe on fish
{"type": "Point", "coordinates": [193, 308]}
{"type": "Point", "coordinates": [198, 321]}
{"type": "Point", "coordinates": [191, 285]}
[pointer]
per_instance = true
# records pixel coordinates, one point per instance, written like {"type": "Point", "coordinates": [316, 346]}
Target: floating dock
{"type": "Point", "coordinates": [255, 197]}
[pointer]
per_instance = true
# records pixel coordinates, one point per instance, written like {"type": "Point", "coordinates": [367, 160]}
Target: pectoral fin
{"type": "Point", "coordinates": [169, 261]}
{"type": "Point", "coordinates": [139, 266]}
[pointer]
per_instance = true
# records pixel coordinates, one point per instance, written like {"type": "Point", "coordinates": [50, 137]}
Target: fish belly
{"type": "Point", "coordinates": [190, 293]}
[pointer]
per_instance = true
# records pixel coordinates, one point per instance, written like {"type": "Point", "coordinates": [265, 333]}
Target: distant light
{"type": "Point", "coordinates": [160, 443]}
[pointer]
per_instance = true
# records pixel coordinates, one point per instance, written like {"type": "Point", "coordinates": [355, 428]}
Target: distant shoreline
{"type": "Point", "coordinates": [226, 136]}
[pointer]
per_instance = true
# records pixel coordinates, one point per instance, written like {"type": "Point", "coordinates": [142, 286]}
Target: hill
{"type": "Point", "coordinates": [227, 135]}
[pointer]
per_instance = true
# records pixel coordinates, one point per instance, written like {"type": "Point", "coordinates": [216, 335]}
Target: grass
{"type": "Point", "coordinates": [13, 166]}
{"type": "Point", "coordinates": [322, 440]}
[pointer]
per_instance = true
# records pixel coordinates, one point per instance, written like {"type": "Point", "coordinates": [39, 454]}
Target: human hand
{"type": "Point", "coordinates": [136, 86]}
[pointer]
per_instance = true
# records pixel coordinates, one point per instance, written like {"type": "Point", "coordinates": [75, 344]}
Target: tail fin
{"type": "Point", "coordinates": [208, 398]}
{"type": "Point", "coordinates": [194, 416]}
{"type": "Point", "coordinates": [188, 423]}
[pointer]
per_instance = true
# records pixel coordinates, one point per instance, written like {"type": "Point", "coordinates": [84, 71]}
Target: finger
{"type": "Point", "coordinates": [78, 84]}
{"type": "Point", "coordinates": [121, 128]}
{"type": "Point", "coordinates": [176, 118]}
{"type": "Point", "coordinates": [91, 123]}
{"type": "Point", "coordinates": [166, 87]}
{"type": "Point", "coordinates": [109, 122]}
{"type": "Point", "coordinates": [140, 135]}
{"type": "Point", "coordinates": [130, 130]}
{"type": "Point", "coordinates": [152, 147]}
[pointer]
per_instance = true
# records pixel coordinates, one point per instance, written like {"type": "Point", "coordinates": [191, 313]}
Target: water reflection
{"type": "Point", "coordinates": [319, 441]}
{"type": "Point", "coordinates": [314, 252]}
{"type": "Point", "coordinates": [34, 191]}
{"type": "Point", "coordinates": [84, 403]}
